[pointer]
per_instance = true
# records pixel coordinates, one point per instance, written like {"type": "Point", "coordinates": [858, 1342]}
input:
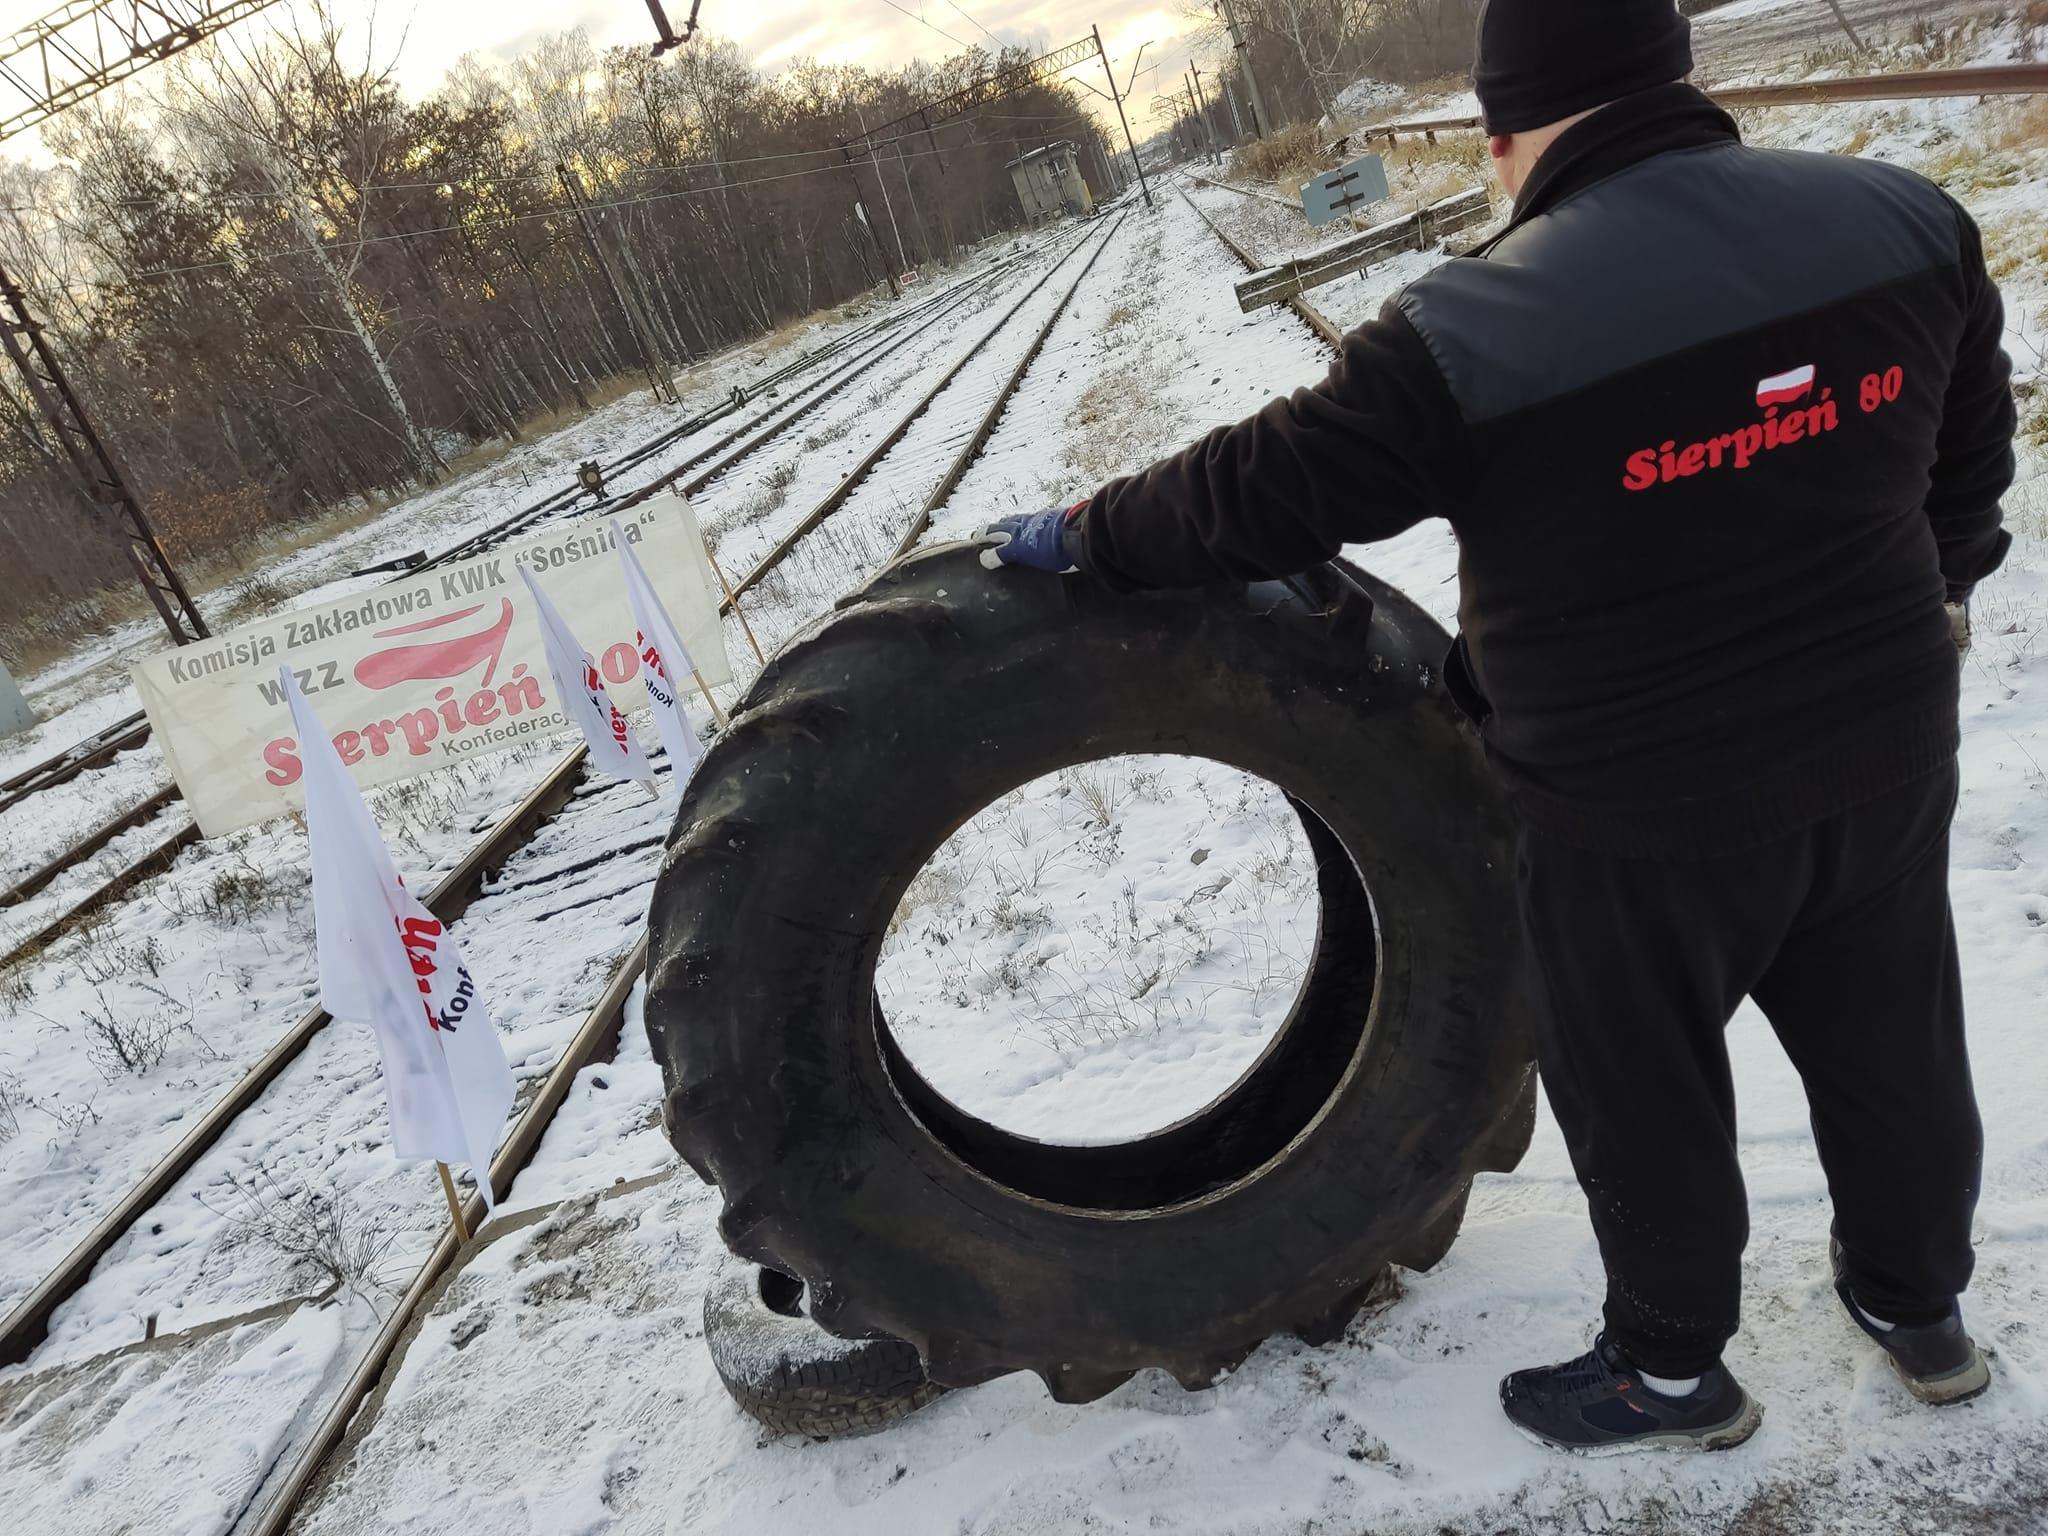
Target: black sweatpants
{"type": "Point", "coordinates": [1842, 934]}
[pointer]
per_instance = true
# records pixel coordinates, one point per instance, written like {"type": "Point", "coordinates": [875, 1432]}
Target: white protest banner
{"type": "Point", "coordinates": [423, 672]}
{"type": "Point", "coordinates": [665, 661]}
{"type": "Point", "coordinates": [613, 746]}
{"type": "Point", "coordinates": [387, 962]}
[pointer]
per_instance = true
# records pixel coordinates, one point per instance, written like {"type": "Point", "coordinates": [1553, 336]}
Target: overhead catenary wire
{"type": "Point", "coordinates": [923, 22]}
{"type": "Point", "coordinates": [252, 199]}
{"type": "Point", "coordinates": [494, 222]}
{"type": "Point", "coordinates": [222, 201]}
{"type": "Point", "coordinates": [984, 30]}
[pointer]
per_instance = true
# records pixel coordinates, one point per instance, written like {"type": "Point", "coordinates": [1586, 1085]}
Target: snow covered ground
{"type": "Point", "coordinates": [589, 1333]}
{"type": "Point", "coordinates": [560, 1383]}
{"type": "Point", "coordinates": [90, 689]}
{"type": "Point", "coordinates": [120, 1032]}
{"type": "Point", "coordinates": [1071, 967]}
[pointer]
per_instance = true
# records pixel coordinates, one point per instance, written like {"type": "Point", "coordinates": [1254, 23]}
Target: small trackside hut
{"type": "Point", "coordinates": [1049, 183]}
{"type": "Point", "coordinates": [15, 713]}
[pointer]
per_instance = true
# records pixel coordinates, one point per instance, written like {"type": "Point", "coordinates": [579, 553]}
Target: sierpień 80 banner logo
{"type": "Point", "coordinates": [423, 672]}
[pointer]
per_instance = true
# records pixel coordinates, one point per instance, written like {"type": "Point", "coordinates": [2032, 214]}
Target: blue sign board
{"type": "Point", "coordinates": [1344, 191]}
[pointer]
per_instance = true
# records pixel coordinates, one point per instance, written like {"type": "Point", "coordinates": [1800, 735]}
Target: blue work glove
{"type": "Point", "coordinates": [1044, 541]}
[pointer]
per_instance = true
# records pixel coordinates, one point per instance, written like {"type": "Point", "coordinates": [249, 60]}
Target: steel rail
{"type": "Point", "coordinates": [27, 1324]}
{"type": "Point", "coordinates": [1307, 313]}
{"type": "Point", "coordinates": [837, 496]}
{"type": "Point", "coordinates": [690, 487]}
{"type": "Point", "coordinates": [595, 1040]}
{"type": "Point", "coordinates": [972, 450]}
{"type": "Point", "coordinates": [1905, 85]}
{"type": "Point", "coordinates": [160, 856]}
{"type": "Point", "coordinates": [719, 467]}
{"type": "Point", "coordinates": [87, 753]}
{"type": "Point", "coordinates": [87, 846]}
{"type": "Point", "coordinates": [931, 309]}
{"type": "Point", "coordinates": [153, 861]}
{"type": "Point", "coordinates": [97, 749]}
{"type": "Point", "coordinates": [1264, 197]}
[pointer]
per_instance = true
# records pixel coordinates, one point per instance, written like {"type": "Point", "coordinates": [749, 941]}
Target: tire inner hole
{"type": "Point", "coordinates": [1127, 983]}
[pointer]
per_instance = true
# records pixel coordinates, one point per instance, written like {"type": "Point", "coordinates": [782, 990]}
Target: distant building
{"type": "Point", "coordinates": [1048, 182]}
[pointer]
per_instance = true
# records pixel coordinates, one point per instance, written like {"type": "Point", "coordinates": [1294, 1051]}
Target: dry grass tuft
{"type": "Point", "coordinates": [1289, 157]}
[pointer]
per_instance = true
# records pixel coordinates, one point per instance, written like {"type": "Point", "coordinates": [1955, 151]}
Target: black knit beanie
{"type": "Point", "coordinates": [1541, 60]}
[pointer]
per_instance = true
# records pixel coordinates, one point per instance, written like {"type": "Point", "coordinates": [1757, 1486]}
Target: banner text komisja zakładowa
{"type": "Point", "coordinates": [422, 672]}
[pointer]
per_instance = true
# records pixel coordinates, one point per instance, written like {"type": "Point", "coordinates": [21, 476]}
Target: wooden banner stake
{"type": "Point", "coordinates": [454, 1204]}
{"type": "Point", "coordinates": [738, 612]}
{"type": "Point", "coordinates": [705, 688]}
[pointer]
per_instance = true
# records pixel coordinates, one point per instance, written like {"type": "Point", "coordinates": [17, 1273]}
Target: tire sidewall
{"type": "Point", "coordinates": [926, 722]}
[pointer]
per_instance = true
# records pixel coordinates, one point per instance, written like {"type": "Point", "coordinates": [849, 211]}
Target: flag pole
{"type": "Point", "coordinates": [733, 598]}
{"type": "Point", "coordinates": [454, 1204]}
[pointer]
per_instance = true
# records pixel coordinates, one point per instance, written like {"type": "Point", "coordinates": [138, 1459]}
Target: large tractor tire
{"type": "Point", "coordinates": [1351, 1143]}
{"type": "Point", "coordinates": [794, 1378]}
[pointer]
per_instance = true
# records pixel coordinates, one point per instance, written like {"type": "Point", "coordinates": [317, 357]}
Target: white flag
{"type": "Point", "coordinates": [387, 962]}
{"type": "Point", "coordinates": [664, 662]}
{"type": "Point", "coordinates": [613, 746]}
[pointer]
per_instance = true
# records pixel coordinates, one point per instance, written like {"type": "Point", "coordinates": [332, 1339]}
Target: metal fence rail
{"type": "Point", "coordinates": [1274, 285]}
{"type": "Point", "coordinates": [1905, 85]}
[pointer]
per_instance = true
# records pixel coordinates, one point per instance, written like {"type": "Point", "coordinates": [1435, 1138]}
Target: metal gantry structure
{"type": "Point", "coordinates": [84, 46]}
{"type": "Point", "coordinates": [668, 37]}
{"type": "Point", "coordinates": [1043, 70]}
{"type": "Point", "coordinates": [101, 480]}
{"type": "Point", "coordinates": [72, 53]}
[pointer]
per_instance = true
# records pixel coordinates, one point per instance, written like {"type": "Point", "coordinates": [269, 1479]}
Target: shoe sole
{"type": "Point", "coordinates": [1966, 1381]}
{"type": "Point", "coordinates": [1720, 1437]}
{"type": "Point", "coordinates": [1958, 1386]}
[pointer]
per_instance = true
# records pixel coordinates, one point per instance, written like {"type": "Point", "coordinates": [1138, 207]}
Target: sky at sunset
{"type": "Point", "coordinates": [427, 36]}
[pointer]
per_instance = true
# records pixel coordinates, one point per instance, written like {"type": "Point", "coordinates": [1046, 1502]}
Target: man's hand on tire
{"type": "Point", "coordinates": [1042, 541]}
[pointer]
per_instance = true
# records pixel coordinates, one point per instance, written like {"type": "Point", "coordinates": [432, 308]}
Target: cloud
{"type": "Point", "coordinates": [777, 33]}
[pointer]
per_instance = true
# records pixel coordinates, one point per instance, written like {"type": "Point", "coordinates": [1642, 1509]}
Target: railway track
{"type": "Point", "coordinates": [26, 1324]}
{"type": "Point", "coordinates": [1325, 332]}
{"type": "Point", "coordinates": [470, 884]}
{"type": "Point", "coordinates": [717, 458]}
{"type": "Point", "coordinates": [599, 1033]}
{"type": "Point", "coordinates": [131, 731]}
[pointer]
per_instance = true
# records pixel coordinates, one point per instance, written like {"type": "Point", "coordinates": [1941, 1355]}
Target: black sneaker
{"type": "Point", "coordinates": [1597, 1405]}
{"type": "Point", "coordinates": [1937, 1361]}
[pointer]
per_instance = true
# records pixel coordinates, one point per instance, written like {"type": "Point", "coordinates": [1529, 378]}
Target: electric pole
{"type": "Point", "coordinates": [572, 188]}
{"type": "Point", "coordinates": [1202, 101]}
{"type": "Point", "coordinates": [861, 117]}
{"type": "Point", "coordinates": [1262, 122]}
{"type": "Point", "coordinates": [1117, 96]}
{"type": "Point", "coordinates": [1236, 117]}
{"type": "Point", "coordinates": [917, 214]}
{"type": "Point", "coordinates": [867, 220]}
{"type": "Point", "coordinates": [101, 479]}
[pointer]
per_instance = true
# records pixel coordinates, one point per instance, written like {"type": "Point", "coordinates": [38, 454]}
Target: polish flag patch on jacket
{"type": "Point", "coordinates": [1781, 388]}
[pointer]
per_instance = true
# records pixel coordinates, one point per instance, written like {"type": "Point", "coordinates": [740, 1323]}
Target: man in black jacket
{"type": "Point", "coordinates": [1720, 432]}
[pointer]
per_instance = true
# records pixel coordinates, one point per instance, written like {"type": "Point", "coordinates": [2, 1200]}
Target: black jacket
{"type": "Point", "coordinates": [1717, 429]}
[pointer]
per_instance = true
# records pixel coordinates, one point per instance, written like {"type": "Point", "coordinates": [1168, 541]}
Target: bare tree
{"type": "Point", "coordinates": [281, 284]}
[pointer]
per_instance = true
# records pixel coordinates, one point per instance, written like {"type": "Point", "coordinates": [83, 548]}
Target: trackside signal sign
{"type": "Point", "coordinates": [1348, 189]}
